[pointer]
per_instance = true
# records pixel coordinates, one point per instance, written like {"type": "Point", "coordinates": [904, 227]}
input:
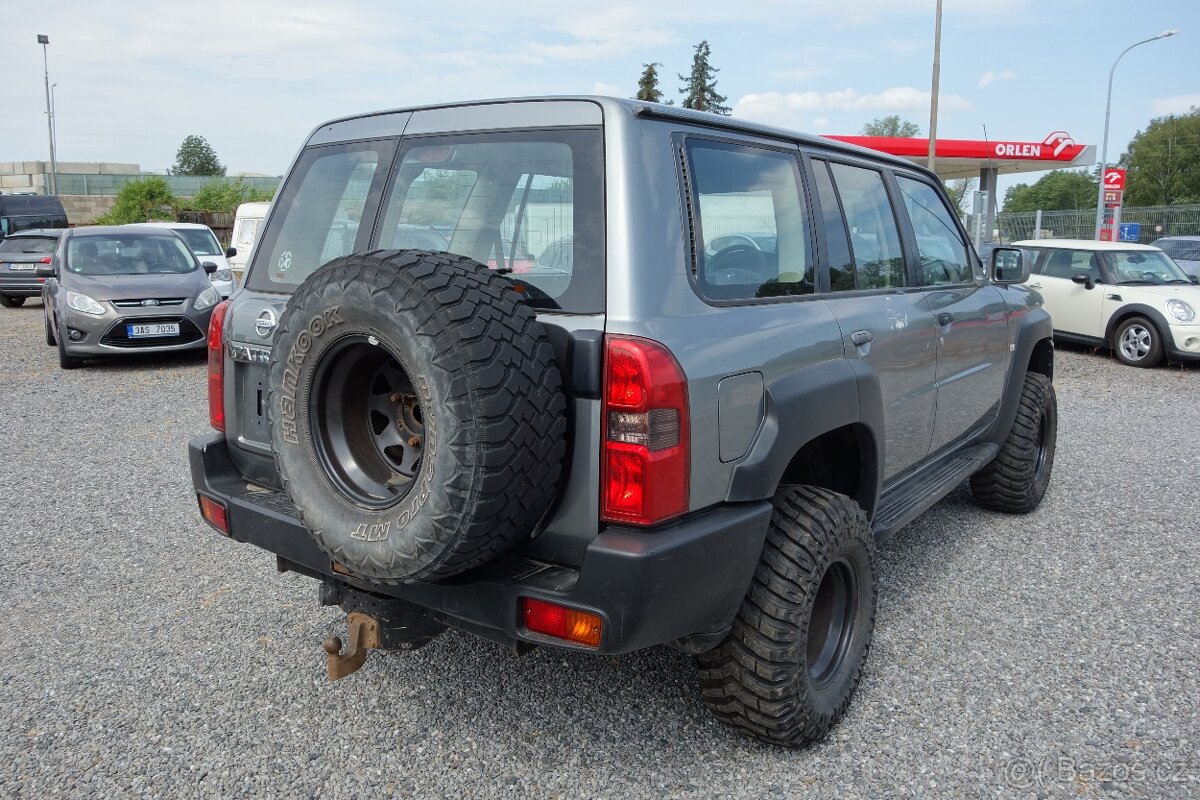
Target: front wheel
{"type": "Point", "coordinates": [65, 360]}
{"type": "Point", "coordinates": [1138, 343]}
{"type": "Point", "coordinates": [1016, 480]}
{"type": "Point", "coordinates": [50, 340]}
{"type": "Point", "coordinates": [789, 666]}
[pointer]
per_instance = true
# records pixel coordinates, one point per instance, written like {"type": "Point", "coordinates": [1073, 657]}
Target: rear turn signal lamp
{"type": "Point", "coordinates": [214, 513]}
{"type": "Point", "coordinates": [561, 622]}
{"type": "Point", "coordinates": [645, 465]}
{"type": "Point", "coordinates": [216, 367]}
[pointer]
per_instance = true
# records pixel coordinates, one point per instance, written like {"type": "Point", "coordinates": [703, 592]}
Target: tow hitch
{"type": "Point", "coordinates": [363, 635]}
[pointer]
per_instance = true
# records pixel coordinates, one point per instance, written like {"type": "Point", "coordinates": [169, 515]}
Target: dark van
{"type": "Point", "coordinates": [20, 212]}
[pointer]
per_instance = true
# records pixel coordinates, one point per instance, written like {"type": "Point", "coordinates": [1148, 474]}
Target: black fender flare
{"type": "Point", "coordinates": [803, 405]}
{"type": "Point", "coordinates": [1033, 327]}
{"type": "Point", "coordinates": [1141, 310]}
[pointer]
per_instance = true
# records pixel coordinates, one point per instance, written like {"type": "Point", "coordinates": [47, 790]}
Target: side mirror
{"type": "Point", "coordinates": [1009, 266]}
{"type": "Point", "coordinates": [230, 252]}
{"type": "Point", "coordinates": [209, 267]}
{"type": "Point", "coordinates": [1083, 279]}
{"type": "Point", "coordinates": [46, 271]}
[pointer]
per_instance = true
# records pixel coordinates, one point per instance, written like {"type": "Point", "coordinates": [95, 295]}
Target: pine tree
{"type": "Point", "coordinates": [700, 88]}
{"type": "Point", "coordinates": [648, 85]}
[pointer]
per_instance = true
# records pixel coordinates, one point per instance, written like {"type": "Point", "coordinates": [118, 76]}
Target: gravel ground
{"type": "Point", "coordinates": [142, 655]}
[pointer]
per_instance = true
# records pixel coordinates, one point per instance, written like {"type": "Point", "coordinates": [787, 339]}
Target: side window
{"type": "Point", "coordinates": [874, 235]}
{"type": "Point", "coordinates": [941, 248]}
{"type": "Point", "coordinates": [319, 212]}
{"type": "Point", "coordinates": [1065, 263]}
{"type": "Point", "coordinates": [751, 222]}
{"type": "Point", "coordinates": [837, 241]}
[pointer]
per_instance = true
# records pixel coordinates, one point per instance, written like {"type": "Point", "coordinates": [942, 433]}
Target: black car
{"type": "Point", "coordinates": [23, 212]}
{"type": "Point", "coordinates": [20, 254]}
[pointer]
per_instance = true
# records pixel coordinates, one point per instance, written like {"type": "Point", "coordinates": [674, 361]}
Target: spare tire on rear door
{"type": "Point", "coordinates": [416, 412]}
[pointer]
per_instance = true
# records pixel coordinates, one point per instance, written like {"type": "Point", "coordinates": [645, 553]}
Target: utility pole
{"type": "Point", "coordinates": [44, 40]}
{"type": "Point", "coordinates": [937, 72]}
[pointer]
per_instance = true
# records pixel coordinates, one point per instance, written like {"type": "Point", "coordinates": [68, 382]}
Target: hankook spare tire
{"type": "Point", "coordinates": [416, 412]}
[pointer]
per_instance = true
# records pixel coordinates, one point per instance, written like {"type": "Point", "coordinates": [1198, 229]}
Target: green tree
{"type": "Point", "coordinates": [1164, 161]}
{"type": "Point", "coordinates": [197, 157]}
{"type": "Point", "coordinates": [648, 85]}
{"type": "Point", "coordinates": [700, 87]}
{"type": "Point", "coordinates": [1058, 190]}
{"type": "Point", "coordinates": [141, 200]}
{"type": "Point", "coordinates": [891, 126]}
{"type": "Point", "coordinates": [959, 190]}
{"type": "Point", "coordinates": [226, 196]}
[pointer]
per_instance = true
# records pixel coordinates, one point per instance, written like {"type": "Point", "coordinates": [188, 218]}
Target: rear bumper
{"type": "Point", "coordinates": [649, 588]}
{"type": "Point", "coordinates": [20, 284]}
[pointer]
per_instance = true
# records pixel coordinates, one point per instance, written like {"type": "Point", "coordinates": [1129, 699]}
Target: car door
{"type": "Point", "coordinates": [970, 314]}
{"type": "Point", "coordinates": [1075, 308]}
{"type": "Point", "coordinates": [884, 322]}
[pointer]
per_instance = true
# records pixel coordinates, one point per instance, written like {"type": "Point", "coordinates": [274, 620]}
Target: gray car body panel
{"type": "Point", "coordinates": [810, 377]}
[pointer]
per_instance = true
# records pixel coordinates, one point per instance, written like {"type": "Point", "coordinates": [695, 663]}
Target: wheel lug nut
{"type": "Point", "coordinates": [414, 441]}
{"type": "Point", "coordinates": [395, 397]}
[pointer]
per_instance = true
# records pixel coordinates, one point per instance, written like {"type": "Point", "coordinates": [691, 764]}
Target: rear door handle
{"type": "Point", "coordinates": [862, 337]}
{"type": "Point", "coordinates": [945, 318]}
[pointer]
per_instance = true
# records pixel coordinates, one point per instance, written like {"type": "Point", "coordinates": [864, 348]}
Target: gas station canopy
{"type": "Point", "coordinates": [967, 158]}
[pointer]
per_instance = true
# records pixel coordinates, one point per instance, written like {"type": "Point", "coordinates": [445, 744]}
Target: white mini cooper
{"type": "Point", "coordinates": [1129, 297]}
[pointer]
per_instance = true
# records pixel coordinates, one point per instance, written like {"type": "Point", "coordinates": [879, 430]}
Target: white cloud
{"type": "Point", "coordinates": [821, 123]}
{"type": "Point", "coordinates": [1180, 104]}
{"type": "Point", "coordinates": [778, 108]}
{"type": "Point", "coordinates": [991, 77]}
{"type": "Point", "coordinates": [600, 87]}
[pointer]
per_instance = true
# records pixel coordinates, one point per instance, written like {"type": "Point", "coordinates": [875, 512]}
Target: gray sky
{"type": "Point", "coordinates": [255, 76]}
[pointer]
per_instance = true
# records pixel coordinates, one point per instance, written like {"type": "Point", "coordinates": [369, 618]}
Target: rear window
{"type": "Point", "coordinates": [528, 205]}
{"type": "Point", "coordinates": [1180, 250]}
{"type": "Point", "coordinates": [319, 213]}
{"type": "Point", "coordinates": [28, 244]}
{"type": "Point", "coordinates": [202, 241]}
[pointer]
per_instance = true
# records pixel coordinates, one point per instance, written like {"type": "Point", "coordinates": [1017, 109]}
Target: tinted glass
{"type": "Point", "coordinates": [874, 235]}
{"type": "Point", "coordinates": [751, 222]}
{"type": "Point", "coordinates": [529, 205]}
{"type": "Point", "coordinates": [837, 241]}
{"type": "Point", "coordinates": [128, 254]}
{"type": "Point", "coordinates": [940, 246]}
{"type": "Point", "coordinates": [28, 244]}
{"type": "Point", "coordinates": [319, 212]}
{"type": "Point", "coordinates": [1067, 263]}
{"type": "Point", "coordinates": [1181, 249]}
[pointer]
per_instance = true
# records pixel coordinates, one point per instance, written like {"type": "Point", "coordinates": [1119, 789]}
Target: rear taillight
{"type": "Point", "coordinates": [47, 260]}
{"type": "Point", "coordinates": [645, 463]}
{"type": "Point", "coordinates": [561, 622]}
{"type": "Point", "coordinates": [216, 367]}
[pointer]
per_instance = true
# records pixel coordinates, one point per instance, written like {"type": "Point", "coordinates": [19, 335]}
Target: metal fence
{"type": "Point", "coordinates": [181, 185]}
{"type": "Point", "coordinates": [1154, 222]}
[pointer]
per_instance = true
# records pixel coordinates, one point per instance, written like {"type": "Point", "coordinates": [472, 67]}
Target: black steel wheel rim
{"type": "Point", "coordinates": [368, 427]}
{"type": "Point", "coordinates": [831, 622]}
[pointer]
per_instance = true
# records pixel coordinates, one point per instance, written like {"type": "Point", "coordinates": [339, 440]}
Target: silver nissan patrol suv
{"type": "Point", "coordinates": [601, 374]}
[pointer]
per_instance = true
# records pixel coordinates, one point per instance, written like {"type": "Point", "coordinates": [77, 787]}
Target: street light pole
{"type": "Point", "coordinates": [44, 40]}
{"type": "Point", "coordinates": [937, 72]}
{"type": "Point", "coordinates": [1107, 112]}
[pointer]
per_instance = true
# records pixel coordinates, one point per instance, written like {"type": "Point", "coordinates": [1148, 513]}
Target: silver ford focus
{"type": "Point", "coordinates": [126, 289]}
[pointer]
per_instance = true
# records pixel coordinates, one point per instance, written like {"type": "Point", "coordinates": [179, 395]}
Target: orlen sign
{"type": "Point", "coordinates": [1058, 146]}
{"type": "Point", "coordinates": [1114, 180]}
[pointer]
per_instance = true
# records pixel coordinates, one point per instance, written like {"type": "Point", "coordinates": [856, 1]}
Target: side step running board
{"type": "Point", "coordinates": [905, 502]}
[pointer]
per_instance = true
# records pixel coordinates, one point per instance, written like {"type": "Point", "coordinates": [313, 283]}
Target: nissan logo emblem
{"type": "Point", "coordinates": [265, 322]}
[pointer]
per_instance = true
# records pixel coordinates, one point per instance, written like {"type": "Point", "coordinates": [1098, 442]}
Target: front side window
{"type": "Point", "coordinates": [751, 220]}
{"type": "Point", "coordinates": [874, 235]}
{"type": "Point", "coordinates": [940, 246]}
{"type": "Point", "coordinates": [319, 212]}
{"type": "Point", "coordinates": [1067, 264]}
{"type": "Point", "coordinates": [528, 205]}
{"type": "Point", "coordinates": [128, 254]}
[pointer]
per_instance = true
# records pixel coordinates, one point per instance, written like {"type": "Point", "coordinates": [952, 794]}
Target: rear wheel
{"type": "Point", "coordinates": [788, 668]}
{"type": "Point", "coordinates": [8, 301]}
{"type": "Point", "coordinates": [1138, 343]}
